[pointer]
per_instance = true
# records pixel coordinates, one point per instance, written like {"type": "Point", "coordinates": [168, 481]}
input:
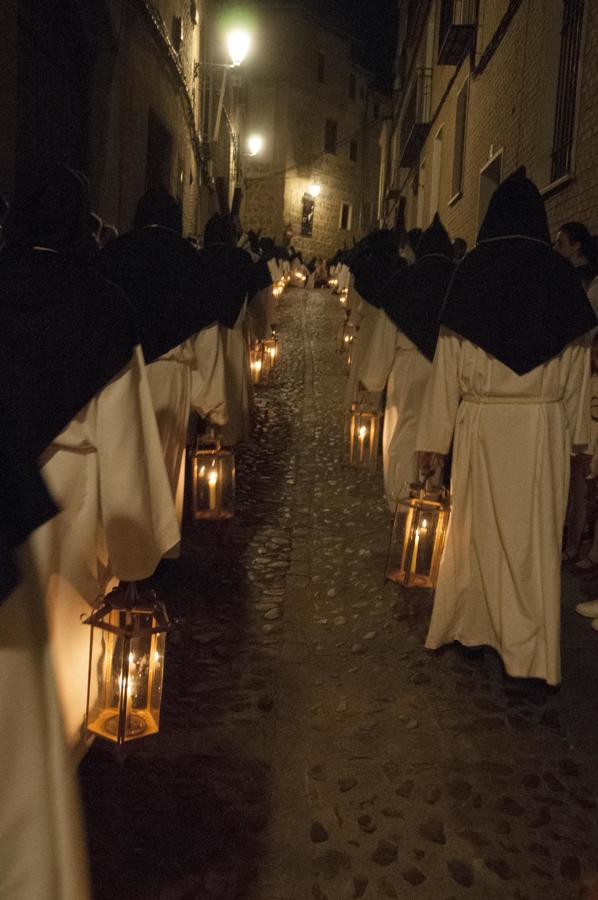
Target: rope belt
{"type": "Point", "coordinates": [536, 401]}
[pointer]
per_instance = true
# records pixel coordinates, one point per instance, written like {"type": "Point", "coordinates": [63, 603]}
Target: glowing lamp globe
{"type": "Point", "coordinates": [126, 664]}
{"type": "Point", "coordinates": [314, 190]}
{"type": "Point", "coordinates": [418, 536]}
{"type": "Point", "coordinates": [255, 144]}
{"type": "Point", "coordinates": [238, 43]}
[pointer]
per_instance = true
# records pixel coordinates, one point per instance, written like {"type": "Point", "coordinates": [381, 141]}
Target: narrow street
{"type": "Point", "coordinates": [310, 748]}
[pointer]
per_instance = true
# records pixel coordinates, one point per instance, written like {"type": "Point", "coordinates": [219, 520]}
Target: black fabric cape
{"type": "Point", "coordinates": [414, 297]}
{"type": "Point", "coordinates": [65, 333]}
{"type": "Point", "coordinates": [25, 503]}
{"type": "Point", "coordinates": [165, 280]}
{"type": "Point", "coordinates": [228, 278]}
{"type": "Point", "coordinates": [373, 263]}
{"type": "Point", "coordinates": [259, 278]}
{"type": "Point", "coordinates": [512, 295]}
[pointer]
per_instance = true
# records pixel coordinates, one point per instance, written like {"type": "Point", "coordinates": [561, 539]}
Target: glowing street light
{"type": "Point", "coordinates": [238, 42]}
{"type": "Point", "coordinates": [314, 190]}
{"type": "Point", "coordinates": [255, 144]}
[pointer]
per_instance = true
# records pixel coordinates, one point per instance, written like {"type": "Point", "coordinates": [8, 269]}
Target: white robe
{"type": "Point", "coordinates": [344, 278]}
{"type": "Point", "coordinates": [395, 362]}
{"type": "Point", "coordinates": [500, 583]}
{"type": "Point", "coordinates": [261, 314]}
{"type": "Point", "coordinates": [106, 473]}
{"type": "Point", "coordinates": [170, 384]}
{"type": "Point", "coordinates": [365, 317]}
{"type": "Point", "coordinates": [239, 393]}
{"type": "Point", "coordinates": [42, 847]}
{"type": "Point", "coordinates": [208, 377]}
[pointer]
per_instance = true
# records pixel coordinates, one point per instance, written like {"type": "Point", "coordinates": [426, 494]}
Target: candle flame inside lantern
{"type": "Point", "coordinates": [362, 432]}
{"type": "Point", "coordinates": [213, 476]}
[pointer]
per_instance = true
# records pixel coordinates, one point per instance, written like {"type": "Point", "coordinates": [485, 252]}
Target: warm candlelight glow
{"type": "Point", "coordinates": [128, 639]}
{"type": "Point", "coordinates": [212, 480]}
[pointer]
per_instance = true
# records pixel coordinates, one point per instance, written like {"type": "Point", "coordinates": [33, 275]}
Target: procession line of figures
{"type": "Point", "coordinates": [486, 363]}
{"type": "Point", "coordinates": [104, 356]}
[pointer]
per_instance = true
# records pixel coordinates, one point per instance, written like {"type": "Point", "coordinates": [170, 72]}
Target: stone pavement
{"type": "Point", "coordinates": [311, 749]}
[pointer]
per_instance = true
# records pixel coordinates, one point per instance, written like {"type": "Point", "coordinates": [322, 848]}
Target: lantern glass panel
{"type": "Point", "coordinates": [271, 352]}
{"type": "Point", "coordinates": [126, 672]}
{"type": "Point", "coordinates": [418, 536]}
{"type": "Point", "coordinates": [364, 427]}
{"type": "Point", "coordinates": [213, 482]}
{"type": "Point", "coordinates": [256, 362]}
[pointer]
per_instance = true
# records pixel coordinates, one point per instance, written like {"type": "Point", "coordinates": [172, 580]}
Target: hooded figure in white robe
{"type": "Point", "coordinates": [77, 386]}
{"type": "Point", "coordinates": [401, 351]}
{"type": "Point", "coordinates": [509, 386]}
{"type": "Point", "coordinates": [163, 276]}
{"type": "Point", "coordinates": [372, 263]}
{"type": "Point", "coordinates": [234, 277]}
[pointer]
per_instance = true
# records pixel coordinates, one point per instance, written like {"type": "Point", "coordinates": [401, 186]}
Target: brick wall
{"type": "Point", "coordinates": [511, 110]}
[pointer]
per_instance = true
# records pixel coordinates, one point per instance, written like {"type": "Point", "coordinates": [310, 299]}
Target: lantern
{"type": "Point", "coordinates": [418, 536]}
{"type": "Point", "coordinates": [364, 426]}
{"type": "Point", "coordinates": [271, 352]}
{"type": "Point", "coordinates": [256, 362]}
{"type": "Point", "coordinates": [213, 480]}
{"type": "Point", "coordinates": [126, 664]}
{"type": "Point", "coordinates": [348, 335]}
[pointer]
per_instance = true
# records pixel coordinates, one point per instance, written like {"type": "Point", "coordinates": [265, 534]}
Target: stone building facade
{"type": "Point", "coordinates": [483, 87]}
{"type": "Point", "coordinates": [118, 90]}
{"type": "Point", "coordinates": [320, 118]}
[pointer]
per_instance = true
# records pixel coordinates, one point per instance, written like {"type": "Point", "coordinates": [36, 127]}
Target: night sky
{"type": "Point", "coordinates": [374, 23]}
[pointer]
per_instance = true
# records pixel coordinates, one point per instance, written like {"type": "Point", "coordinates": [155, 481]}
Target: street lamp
{"type": "Point", "coordinates": [238, 42]}
{"type": "Point", "coordinates": [255, 144]}
{"type": "Point", "coordinates": [314, 190]}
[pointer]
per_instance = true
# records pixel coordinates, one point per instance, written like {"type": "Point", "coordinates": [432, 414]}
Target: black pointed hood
{"type": "Point", "coordinates": [66, 330]}
{"type": "Point", "coordinates": [516, 208]}
{"type": "Point", "coordinates": [512, 295]}
{"type": "Point", "coordinates": [434, 241]}
{"type": "Point", "coordinates": [51, 209]}
{"type": "Point", "coordinates": [163, 275]}
{"type": "Point", "coordinates": [414, 298]}
{"type": "Point", "coordinates": [374, 264]}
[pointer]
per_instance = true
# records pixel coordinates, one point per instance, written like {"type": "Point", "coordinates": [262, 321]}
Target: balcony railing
{"type": "Point", "coordinates": [457, 30]}
{"type": "Point", "coordinates": [416, 118]}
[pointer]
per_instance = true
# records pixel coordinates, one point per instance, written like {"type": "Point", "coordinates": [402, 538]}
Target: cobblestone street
{"type": "Point", "coordinates": [310, 748]}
